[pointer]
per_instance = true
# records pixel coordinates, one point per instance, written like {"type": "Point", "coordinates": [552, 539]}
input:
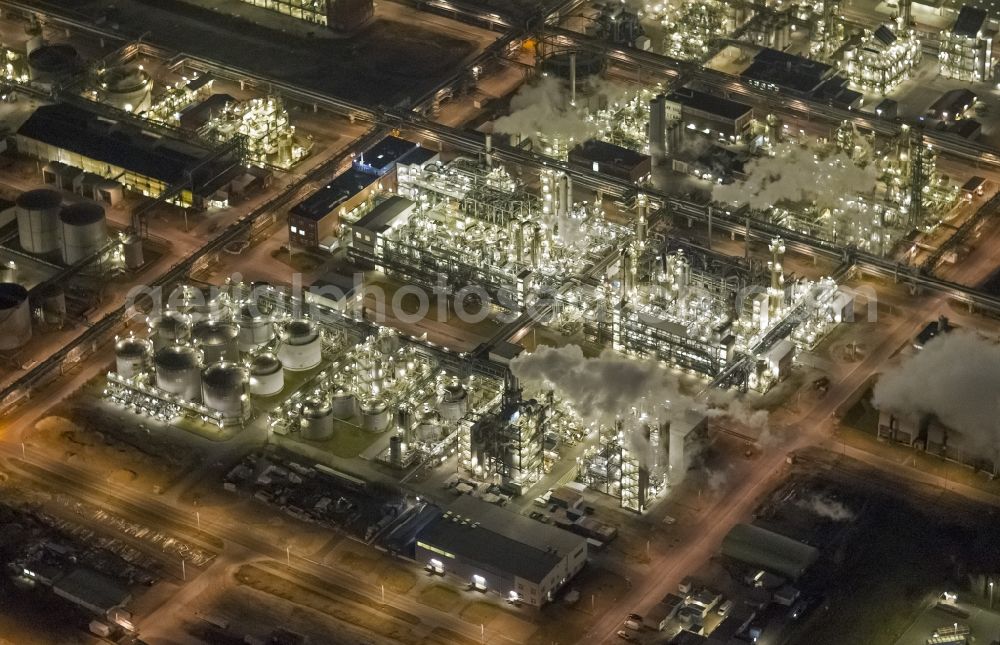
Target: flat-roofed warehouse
{"type": "Point", "coordinates": [768, 550]}
{"type": "Point", "coordinates": [700, 111]}
{"type": "Point", "coordinates": [318, 217]}
{"type": "Point", "coordinates": [140, 160]}
{"type": "Point", "coordinates": [497, 550]}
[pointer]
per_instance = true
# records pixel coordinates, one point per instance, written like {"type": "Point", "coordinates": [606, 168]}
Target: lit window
{"type": "Point", "coordinates": [295, 229]}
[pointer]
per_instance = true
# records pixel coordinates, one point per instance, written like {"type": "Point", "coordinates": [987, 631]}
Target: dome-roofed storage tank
{"type": "Point", "coordinates": [317, 420]}
{"type": "Point", "coordinates": [132, 356]}
{"type": "Point", "coordinates": [429, 425]}
{"type": "Point", "coordinates": [374, 415]}
{"type": "Point", "coordinates": [223, 389]}
{"type": "Point", "coordinates": [168, 329]}
{"type": "Point", "coordinates": [255, 328]}
{"type": "Point", "coordinates": [301, 345]}
{"type": "Point", "coordinates": [454, 401]}
{"type": "Point", "coordinates": [83, 231]}
{"type": "Point", "coordinates": [38, 220]}
{"type": "Point", "coordinates": [200, 304]}
{"type": "Point", "coordinates": [343, 403]}
{"type": "Point", "coordinates": [266, 376]}
{"type": "Point", "coordinates": [178, 371]}
{"type": "Point", "coordinates": [15, 316]}
{"type": "Point", "coordinates": [216, 339]}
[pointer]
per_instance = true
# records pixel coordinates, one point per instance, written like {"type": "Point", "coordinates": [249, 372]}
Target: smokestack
{"type": "Point", "coordinates": [536, 246]}
{"type": "Point", "coordinates": [777, 290]}
{"type": "Point", "coordinates": [563, 207]}
{"type": "Point", "coordinates": [518, 239]}
{"type": "Point", "coordinates": [626, 276]}
{"type": "Point", "coordinates": [569, 192]}
{"type": "Point", "coordinates": [489, 150]}
{"type": "Point", "coordinates": [572, 79]}
{"type": "Point", "coordinates": [395, 451]}
{"type": "Point", "coordinates": [641, 222]}
{"type": "Point", "coordinates": [658, 129]}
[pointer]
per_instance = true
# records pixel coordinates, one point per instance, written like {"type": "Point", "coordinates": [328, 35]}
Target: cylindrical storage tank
{"type": "Point", "coordinates": [200, 304]}
{"type": "Point", "coordinates": [454, 401]}
{"type": "Point", "coordinates": [133, 251]}
{"type": "Point", "coordinates": [317, 420]}
{"type": "Point", "coordinates": [38, 220]}
{"type": "Point", "coordinates": [217, 340]}
{"type": "Point", "coordinates": [223, 386]}
{"type": "Point", "coordinates": [255, 328]}
{"type": "Point", "coordinates": [169, 329]}
{"type": "Point", "coordinates": [50, 299]}
{"type": "Point", "coordinates": [374, 415]}
{"type": "Point", "coordinates": [178, 371]}
{"type": "Point", "coordinates": [50, 62]}
{"type": "Point", "coordinates": [8, 271]}
{"type": "Point", "coordinates": [301, 345]}
{"type": "Point", "coordinates": [395, 450]}
{"type": "Point", "coordinates": [266, 376]}
{"type": "Point", "coordinates": [429, 426]}
{"type": "Point", "coordinates": [83, 231]}
{"type": "Point", "coordinates": [342, 402]}
{"type": "Point", "coordinates": [132, 356]}
{"type": "Point", "coordinates": [15, 316]}
{"type": "Point", "coordinates": [127, 88]}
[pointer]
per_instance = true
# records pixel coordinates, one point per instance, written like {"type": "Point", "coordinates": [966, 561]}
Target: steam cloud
{"type": "Point", "coordinates": [826, 507]}
{"type": "Point", "coordinates": [611, 386]}
{"type": "Point", "coordinates": [796, 174]}
{"type": "Point", "coordinates": [544, 107]}
{"type": "Point", "coordinates": [955, 377]}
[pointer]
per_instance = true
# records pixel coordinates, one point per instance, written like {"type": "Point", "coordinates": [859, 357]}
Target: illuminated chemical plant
{"type": "Point", "coordinates": [883, 58]}
{"type": "Point", "coordinates": [966, 50]}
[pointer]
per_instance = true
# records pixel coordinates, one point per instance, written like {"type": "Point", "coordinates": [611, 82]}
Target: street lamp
{"type": "Point", "coordinates": [991, 594]}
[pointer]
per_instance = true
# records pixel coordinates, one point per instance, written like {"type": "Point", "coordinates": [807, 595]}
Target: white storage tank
{"type": "Point", "coordinates": [223, 389]}
{"type": "Point", "coordinates": [255, 328]}
{"type": "Point", "coordinates": [132, 356]}
{"type": "Point", "coordinates": [429, 425]}
{"type": "Point", "coordinates": [343, 403]}
{"type": "Point", "coordinates": [374, 415]}
{"type": "Point", "coordinates": [178, 371]}
{"type": "Point", "coordinates": [126, 87]}
{"type": "Point", "coordinates": [454, 401]}
{"type": "Point", "coordinates": [200, 304]}
{"type": "Point", "coordinates": [15, 316]}
{"type": "Point", "coordinates": [169, 329]}
{"type": "Point", "coordinates": [266, 376]}
{"type": "Point", "coordinates": [317, 420]}
{"type": "Point", "coordinates": [133, 251]}
{"type": "Point", "coordinates": [38, 220]}
{"type": "Point", "coordinates": [217, 340]}
{"type": "Point", "coordinates": [83, 231]}
{"type": "Point", "coordinates": [301, 345]}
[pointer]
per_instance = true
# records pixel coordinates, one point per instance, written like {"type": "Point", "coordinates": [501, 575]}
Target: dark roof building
{"type": "Point", "coordinates": [970, 22]}
{"type": "Point", "coordinates": [382, 157]}
{"type": "Point", "coordinates": [773, 69]}
{"type": "Point", "coordinates": [501, 551]}
{"type": "Point", "coordinates": [952, 105]}
{"type": "Point", "coordinates": [769, 550]}
{"type": "Point", "coordinates": [340, 189]}
{"type": "Point", "coordinates": [601, 156]}
{"type": "Point", "coordinates": [91, 590]}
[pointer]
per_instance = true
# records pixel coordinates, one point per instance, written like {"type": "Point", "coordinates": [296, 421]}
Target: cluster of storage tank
{"type": "Point", "coordinates": [76, 231]}
{"type": "Point", "coordinates": [219, 350]}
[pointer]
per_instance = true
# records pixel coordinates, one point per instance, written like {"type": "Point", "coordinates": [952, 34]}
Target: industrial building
{"type": "Point", "coordinates": [316, 220]}
{"type": "Point", "coordinates": [966, 50]}
{"type": "Point", "coordinates": [709, 114]}
{"type": "Point", "coordinates": [883, 58]}
{"type": "Point", "coordinates": [340, 15]}
{"type": "Point", "coordinates": [365, 234]}
{"type": "Point", "coordinates": [779, 71]}
{"type": "Point", "coordinates": [500, 551]}
{"type": "Point", "coordinates": [768, 550]}
{"type": "Point", "coordinates": [121, 152]}
{"type": "Point", "coordinates": [608, 158]}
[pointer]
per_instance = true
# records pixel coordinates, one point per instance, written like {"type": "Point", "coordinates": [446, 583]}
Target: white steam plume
{"type": "Point", "coordinates": [797, 174]}
{"type": "Point", "coordinates": [826, 507]}
{"type": "Point", "coordinates": [607, 388]}
{"type": "Point", "coordinates": [955, 377]}
{"type": "Point", "coordinates": [544, 108]}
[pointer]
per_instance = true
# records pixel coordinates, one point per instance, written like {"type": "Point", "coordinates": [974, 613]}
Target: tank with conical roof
{"type": "Point", "coordinates": [343, 402]}
{"type": "Point", "coordinates": [52, 62]}
{"type": "Point", "coordinates": [38, 220]}
{"type": "Point", "coordinates": [169, 328]}
{"type": "Point", "coordinates": [216, 339]}
{"type": "Point", "coordinates": [374, 415]}
{"type": "Point", "coordinates": [454, 401]}
{"type": "Point", "coordinates": [132, 249]}
{"type": "Point", "coordinates": [429, 425]}
{"type": "Point", "coordinates": [178, 371]}
{"type": "Point", "coordinates": [256, 328]}
{"type": "Point", "coordinates": [301, 345]}
{"type": "Point", "coordinates": [223, 389]}
{"type": "Point", "coordinates": [317, 420]}
{"type": "Point", "coordinates": [266, 376]}
{"type": "Point", "coordinates": [83, 231]}
{"type": "Point", "coordinates": [132, 356]}
{"type": "Point", "coordinates": [126, 87]}
{"type": "Point", "coordinates": [15, 316]}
